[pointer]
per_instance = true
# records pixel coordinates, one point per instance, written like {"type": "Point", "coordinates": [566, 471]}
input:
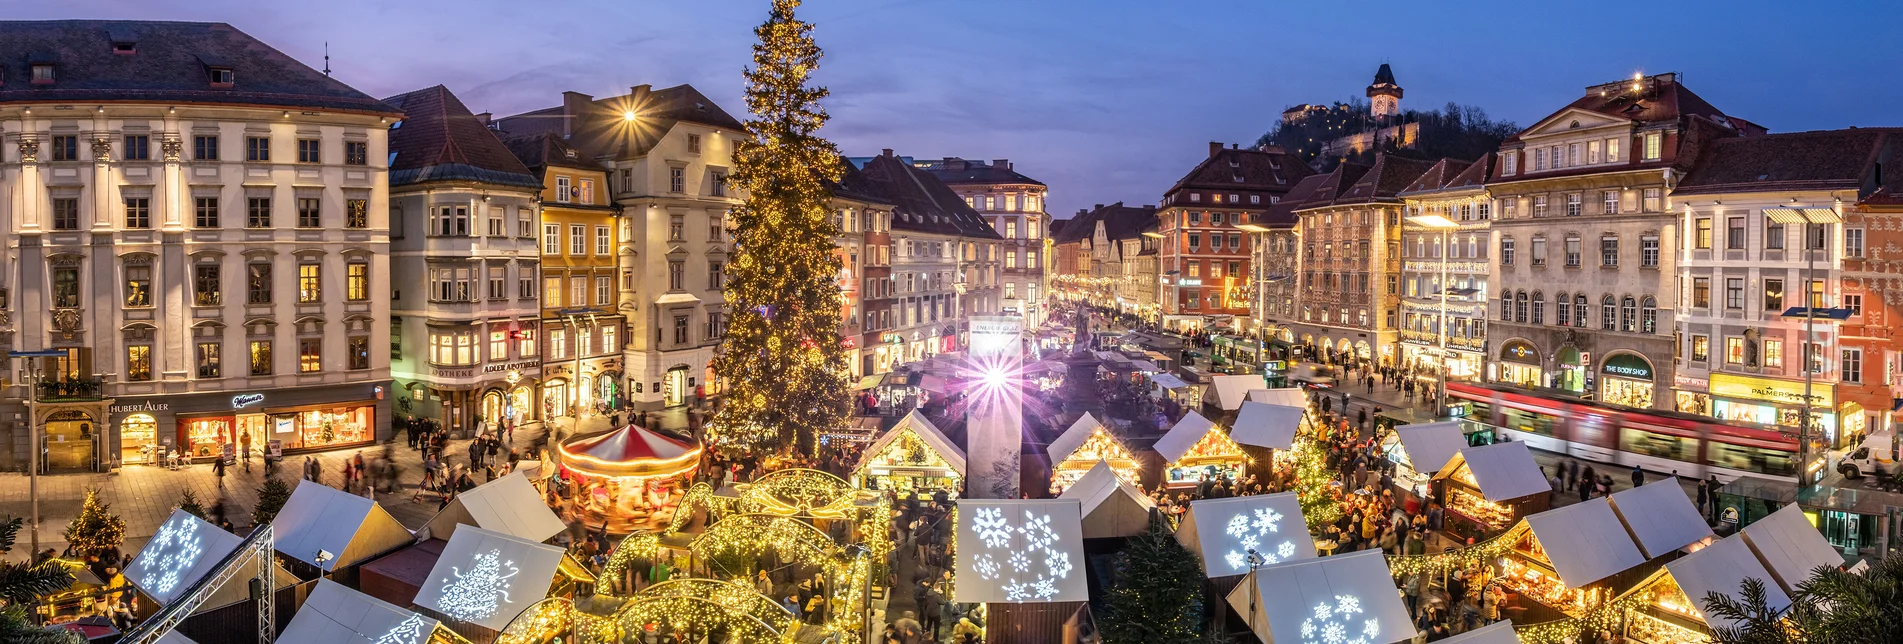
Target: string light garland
{"type": "Point", "coordinates": [799, 492]}
{"type": "Point", "coordinates": [1479, 554]}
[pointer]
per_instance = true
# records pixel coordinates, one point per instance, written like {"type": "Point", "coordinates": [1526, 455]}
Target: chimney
{"type": "Point", "coordinates": [1235, 146]}
{"type": "Point", "coordinates": [1001, 163]}
{"type": "Point", "coordinates": [574, 104]}
{"type": "Point", "coordinates": [638, 95]}
{"type": "Point", "coordinates": [1097, 207]}
{"type": "Point", "coordinates": [887, 152]}
{"type": "Point", "coordinates": [484, 118]}
{"type": "Point", "coordinates": [1215, 148]}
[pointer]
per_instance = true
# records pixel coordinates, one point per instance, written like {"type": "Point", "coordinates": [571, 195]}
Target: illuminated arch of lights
{"type": "Point", "coordinates": [800, 492]}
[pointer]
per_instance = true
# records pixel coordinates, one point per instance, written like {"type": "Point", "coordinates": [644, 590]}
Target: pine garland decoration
{"type": "Point", "coordinates": [781, 357]}
{"type": "Point", "coordinates": [95, 531]}
{"type": "Point", "coordinates": [1157, 595]}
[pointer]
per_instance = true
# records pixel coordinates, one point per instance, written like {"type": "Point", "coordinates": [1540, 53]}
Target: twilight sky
{"type": "Point", "coordinates": [1103, 100]}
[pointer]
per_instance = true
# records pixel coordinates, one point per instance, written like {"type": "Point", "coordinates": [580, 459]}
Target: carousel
{"type": "Point", "coordinates": [630, 479]}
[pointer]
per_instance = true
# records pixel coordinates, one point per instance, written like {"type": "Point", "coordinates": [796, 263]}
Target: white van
{"type": "Point", "coordinates": [1877, 456]}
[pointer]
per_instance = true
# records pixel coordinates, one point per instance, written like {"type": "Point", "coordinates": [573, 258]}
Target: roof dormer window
{"type": "Point", "coordinates": [124, 47]}
{"type": "Point", "coordinates": [220, 76]}
{"type": "Point", "coordinates": [42, 73]}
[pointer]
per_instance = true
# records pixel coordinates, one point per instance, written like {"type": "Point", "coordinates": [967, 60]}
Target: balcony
{"type": "Point", "coordinates": [70, 390]}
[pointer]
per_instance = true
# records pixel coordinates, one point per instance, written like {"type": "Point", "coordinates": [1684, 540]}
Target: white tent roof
{"type": "Point", "coordinates": [1585, 542]}
{"type": "Point", "coordinates": [1790, 546]}
{"type": "Point", "coordinates": [1503, 471]}
{"type": "Point", "coordinates": [1500, 632]}
{"type": "Point", "coordinates": [510, 505]}
{"type": "Point", "coordinates": [1072, 438]}
{"type": "Point", "coordinates": [175, 638]}
{"type": "Point", "coordinates": [1232, 390]}
{"type": "Point", "coordinates": [1168, 381]}
{"type": "Point", "coordinates": [349, 527]}
{"type": "Point", "coordinates": [1184, 435]}
{"type": "Point", "coordinates": [1722, 567]}
{"type": "Point", "coordinates": [927, 432]}
{"type": "Point", "coordinates": [1147, 366]}
{"type": "Point", "coordinates": [1222, 531]}
{"type": "Point", "coordinates": [1267, 425]}
{"type": "Point", "coordinates": [1429, 446]}
{"type": "Point", "coordinates": [184, 550]}
{"type": "Point", "coordinates": [1660, 516]}
{"type": "Point", "coordinates": [335, 614]}
{"type": "Point", "coordinates": [1290, 396]}
{"type": "Point", "coordinates": [1112, 506]}
{"type": "Point", "coordinates": [487, 578]}
{"type": "Point", "coordinates": [1353, 592]}
{"type": "Point", "coordinates": [1020, 551]}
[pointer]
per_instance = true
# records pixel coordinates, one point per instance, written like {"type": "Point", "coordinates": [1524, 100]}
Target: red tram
{"type": "Point", "coordinates": [1659, 441]}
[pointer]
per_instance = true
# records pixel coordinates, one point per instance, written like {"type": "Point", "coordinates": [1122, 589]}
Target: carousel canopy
{"type": "Point", "coordinates": [509, 505]}
{"type": "Point", "coordinates": [916, 424]}
{"type": "Point", "coordinates": [1184, 435]}
{"type": "Point", "coordinates": [1352, 596]}
{"type": "Point", "coordinates": [1502, 471]}
{"type": "Point", "coordinates": [1429, 446]}
{"type": "Point", "coordinates": [1722, 567]}
{"type": "Point", "coordinates": [1072, 438]}
{"type": "Point", "coordinates": [330, 528]}
{"type": "Point", "coordinates": [1020, 551]}
{"type": "Point", "coordinates": [1660, 516]}
{"type": "Point", "coordinates": [1168, 381]}
{"type": "Point", "coordinates": [1290, 396]}
{"type": "Point", "coordinates": [1112, 506]}
{"type": "Point", "coordinates": [1222, 532]}
{"type": "Point", "coordinates": [487, 578]}
{"type": "Point", "coordinates": [1790, 546]}
{"type": "Point", "coordinates": [335, 614]}
{"type": "Point", "coordinates": [1500, 632]}
{"type": "Point", "coordinates": [1231, 391]}
{"type": "Point", "coordinates": [629, 451]}
{"type": "Point", "coordinates": [1585, 542]}
{"type": "Point", "coordinates": [1267, 425]}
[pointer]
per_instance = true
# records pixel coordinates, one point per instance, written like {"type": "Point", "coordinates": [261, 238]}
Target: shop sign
{"type": "Point", "coordinates": [139, 407]}
{"type": "Point", "coordinates": [1520, 351]}
{"type": "Point", "coordinates": [1275, 365]}
{"type": "Point", "coordinates": [1766, 389]}
{"type": "Point", "coordinates": [1189, 281]}
{"type": "Point", "coordinates": [512, 366]}
{"type": "Point", "coordinates": [1626, 365]}
{"type": "Point", "coordinates": [1688, 382]}
{"type": "Point", "coordinates": [242, 401]}
{"type": "Point", "coordinates": [452, 373]}
{"type": "Point", "coordinates": [555, 370]}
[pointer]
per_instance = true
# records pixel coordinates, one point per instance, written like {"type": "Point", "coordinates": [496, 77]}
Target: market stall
{"type": "Point", "coordinates": [1112, 507]}
{"type": "Point", "coordinates": [1267, 425]}
{"type": "Point", "coordinates": [1168, 387]}
{"type": "Point", "coordinates": [334, 530]}
{"type": "Point", "coordinates": [1350, 596]}
{"type": "Point", "coordinates": [1563, 558]}
{"type": "Point", "coordinates": [1080, 447]}
{"type": "Point", "coordinates": [1661, 518]}
{"type": "Point", "coordinates": [913, 455]}
{"type": "Point", "coordinates": [1195, 450]}
{"type": "Point", "coordinates": [486, 578]}
{"type": "Point", "coordinates": [1790, 546]}
{"type": "Point", "coordinates": [1671, 610]}
{"type": "Point", "coordinates": [1020, 550]}
{"type": "Point", "coordinates": [335, 614]}
{"type": "Point", "coordinates": [1486, 489]}
{"type": "Point", "coordinates": [1419, 451]}
{"type": "Point", "coordinates": [509, 505]}
{"type": "Point", "coordinates": [1288, 396]}
{"type": "Point", "coordinates": [628, 479]}
{"type": "Point", "coordinates": [1231, 391]}
{"type": "Point", "coordinates": [187, 549]}
{"type": "Point", "coordinates": [1222, 532]}
{"type": "Point", "coordinates": [1500, 632]}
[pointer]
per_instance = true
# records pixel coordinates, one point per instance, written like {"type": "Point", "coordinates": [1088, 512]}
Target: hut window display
{"type": "Point", "coordinates": [1527, 571]}
{"type": "Point", "coordinates": [907, 463]}
{"type": "Point", "coordinates": [1466, 499]}
{"type": "Point", "coordinates": [1214, 458]}
{"type": "Point", "coordinates": [1101, 446]}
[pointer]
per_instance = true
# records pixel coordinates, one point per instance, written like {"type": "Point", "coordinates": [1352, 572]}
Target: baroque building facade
{"type": "Point", "coordinates": [1443, 319]}
{"type": "Point", "coordinates": [1204, 254]}
{"type": "Point", "coordinates": [1014, 206]}
{"type": "Point", "coordinates": [1351, 259]}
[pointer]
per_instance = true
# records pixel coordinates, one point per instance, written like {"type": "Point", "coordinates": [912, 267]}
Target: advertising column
{"type": "Point", "coordinates": [997, 403]}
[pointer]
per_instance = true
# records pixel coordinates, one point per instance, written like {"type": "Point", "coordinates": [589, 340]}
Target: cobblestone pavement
{"type": "Point", "coordinates": [145, 495]}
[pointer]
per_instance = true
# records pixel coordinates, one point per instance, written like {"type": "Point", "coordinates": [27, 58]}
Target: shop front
{"type": "Point", "coordinates": [1195, 450]}
{"type": "Point", "coordinates": [913, 456]}
{"type": "Point", "coordinates": [1572, 369]}
{"type": "Point", "coordinates": [223, 425]}
{"type": "Point", "coordinates": [1626, 379]}
{"type": "Point", "coordinates": [1519, 365]}
{"type": "Point", "coordinates": [1771, 402]}
{"type": "Point", "coordinates": [1486, 489]}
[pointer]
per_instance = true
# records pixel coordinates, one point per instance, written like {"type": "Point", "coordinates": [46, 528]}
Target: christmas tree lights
{"type": "Point", "coordinates": [781, 358]}
{"type": "Point", "coordinates": [481, 591]}
{"type": "Point", "coordinates": [410, 631]}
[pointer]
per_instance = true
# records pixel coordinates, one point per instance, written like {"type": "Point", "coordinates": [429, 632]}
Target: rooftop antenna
{"type": "Point", "coordinates": [326, 58]}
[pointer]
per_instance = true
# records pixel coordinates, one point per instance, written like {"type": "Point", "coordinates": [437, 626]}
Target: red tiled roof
{"type": "Point", "coordinates": [921, 202]}
{"type": "Point", "coordinates": [1333, 184]}
{"type": "Point", "coordinates": [1443, 171]}
{"type": "Point", "coordinates": [1389, 176]}
{"type": "Point", "coordinates": [540, 151]}
{"type": "Point", "coordinates": [955, 171]}
{"type": "Point", "coordinates": [1662, 100]}
{"type": "Point", "coordinates": [1819, 160]}
{"type": "Point", "coordinates": [441, 139]}
{"type": "Point", "coordinates": [1282, 213]}
{"type": "Point", "coordinates": [1273, 171]}
{"type": "Point", "coordinates": [601, 130]}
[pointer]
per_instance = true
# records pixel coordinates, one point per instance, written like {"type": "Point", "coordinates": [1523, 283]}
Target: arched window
{"type": "Point", "coordinates": [1563, 309]}
{"type": "Point", "coordinates": [1648, 315]}
{"type": "Point", "coordinates": [1539, 308]}
{"type": "Point", "coordinates": [1519, 306]}
{"type": "Point", "coordinates": [1628, 312]}
{"type": "Point", "coordinates": [1608, 314]}
{"type": "Point", "coordinates": [1506, 307]}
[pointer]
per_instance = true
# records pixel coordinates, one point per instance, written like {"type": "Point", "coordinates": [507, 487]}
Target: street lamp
{"type": "Point", "coordinates": [1813, 306]}
{"type": "Point", "coordinates": [1444, 225]}
{"type": "Point", "coordinates": [32, 372]}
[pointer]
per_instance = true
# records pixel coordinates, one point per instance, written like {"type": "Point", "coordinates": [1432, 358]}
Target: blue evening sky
{"type": "Point", "coordinates": [1106, 100]}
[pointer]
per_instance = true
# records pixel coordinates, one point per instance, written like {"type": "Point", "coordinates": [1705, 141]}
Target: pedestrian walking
{"type": "Point", "coordinates": [1570, 474]}
{"type": "Point", "coordinates": [1704, 495]}
{"type": "Point", "coordinates": [218, 468]}
{"type": "Point", "coordinates": [1638, 476]}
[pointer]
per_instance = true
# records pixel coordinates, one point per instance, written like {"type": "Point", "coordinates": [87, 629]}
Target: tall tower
{"type": "Point", "coordinates": [1384, 97]}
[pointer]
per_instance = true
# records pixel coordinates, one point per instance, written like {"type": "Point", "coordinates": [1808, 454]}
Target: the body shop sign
{"type": "Point", "coordinates": [242, 401]}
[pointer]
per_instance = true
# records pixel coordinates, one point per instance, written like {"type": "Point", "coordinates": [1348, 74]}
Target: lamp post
{"type": "Point", "coordinates": [1444, 225]}
{"type": "Point", "coordinates": [32, 370]}
{"type": "Point", "coordinates": [1808, 216]}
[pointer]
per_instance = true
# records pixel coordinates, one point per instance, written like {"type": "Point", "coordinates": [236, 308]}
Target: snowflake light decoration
{"type": "Point", "coordinates": [1024, 556]}
{"type": "Point", "coordinates": [480, 592]}
{"type": "Point", "coordinates": [1253, 530]}
{"type": "Point", "coordinates": [174, 550]}
{"type": "Point", "coordinates": [992, 527]}
{"type": "Point", "coordinates": [1332, 624]}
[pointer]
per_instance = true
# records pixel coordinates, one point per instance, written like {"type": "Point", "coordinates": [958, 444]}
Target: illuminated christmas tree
{"type": "Point", "coordinates": [480, 591]}
{"type": "Point", "coordinates": [410, 631]}
{"type": "Point", "coordinates": [95, 531]}
{"type": "Point", "coordinates": [781, 358]}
